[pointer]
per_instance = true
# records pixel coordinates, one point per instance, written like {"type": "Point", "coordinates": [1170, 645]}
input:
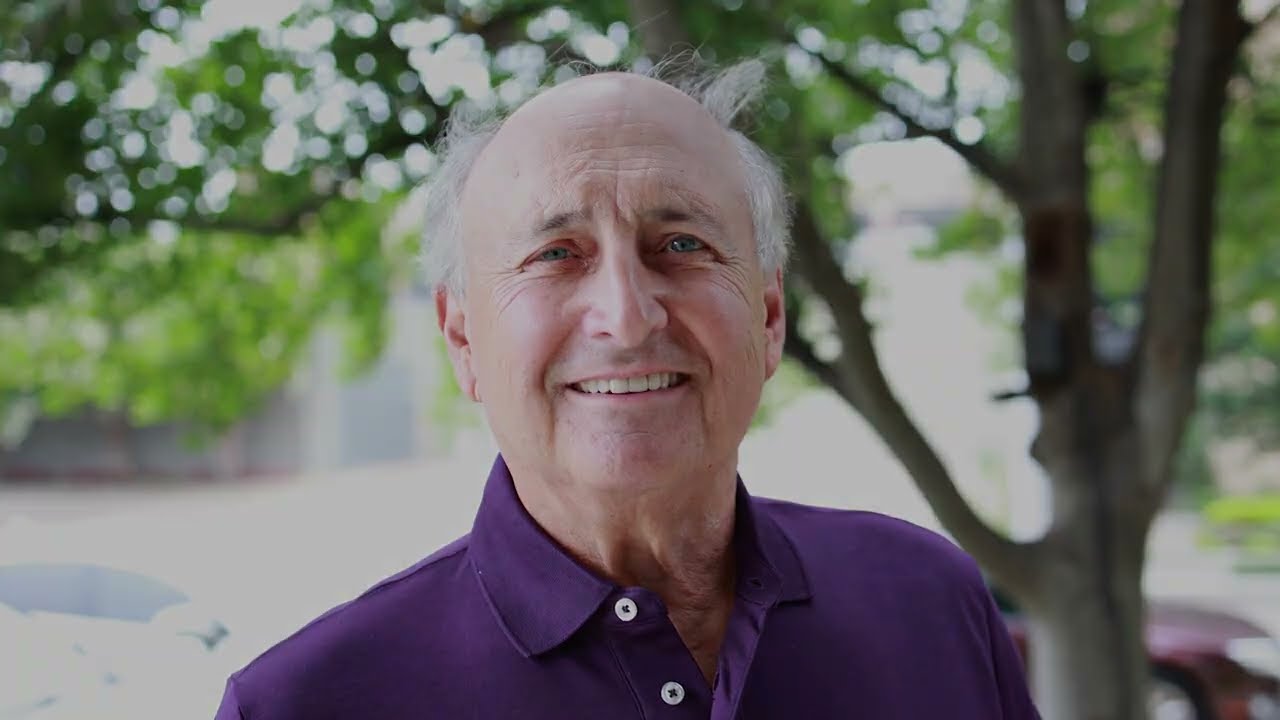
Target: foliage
{"type": "Point", "coordinates": [1193, 481]}
{"type": "Point", "coordinates": [180, 208]}
{"type": "Point", "coordinates": [1250, 524]}
{"type": "Point", "coordinates": [450, 410]}
{"type": "Point", "coordinates": [185, 194]}
{"type": "Point", "coordinates": [1240, 391]}
{"type": "Point", "coordinates": [184, 197]}
{"type": "Point", "coordinates": [787, 384]}
{"type": "Point", "coordinates": [1261, 509]}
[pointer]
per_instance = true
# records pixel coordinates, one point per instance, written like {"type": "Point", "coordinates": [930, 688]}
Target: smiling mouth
{"type": "Point", "coordinates": [630, 385]}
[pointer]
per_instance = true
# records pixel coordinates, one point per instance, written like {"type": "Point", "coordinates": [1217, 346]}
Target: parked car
{"type": "Point", "coordinates": [1205, 664]}
{"type": "Point", "coordinates": [84, 640]}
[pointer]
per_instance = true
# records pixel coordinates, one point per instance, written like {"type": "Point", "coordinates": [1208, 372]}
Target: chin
{"type": "Point", "coordinates": [632, 462]}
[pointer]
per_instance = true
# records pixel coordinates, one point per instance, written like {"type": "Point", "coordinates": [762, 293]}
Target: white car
{"type": "Point", "coordinates": [87, 641]}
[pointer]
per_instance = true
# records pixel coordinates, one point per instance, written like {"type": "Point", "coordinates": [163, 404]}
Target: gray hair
{"type": "Point", "coordinates": [725, 94]}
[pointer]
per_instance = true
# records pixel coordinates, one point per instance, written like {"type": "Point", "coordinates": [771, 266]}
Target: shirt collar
{"type": "Point", "coordinates": [541, 596]}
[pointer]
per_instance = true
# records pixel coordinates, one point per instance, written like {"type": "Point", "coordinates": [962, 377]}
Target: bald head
{"type": "Point", "coordinates": [633, 106]}
{"type": "Point", "coordinates": [491, 162]}
{"type": "Point", "coordinates": [613, 93]}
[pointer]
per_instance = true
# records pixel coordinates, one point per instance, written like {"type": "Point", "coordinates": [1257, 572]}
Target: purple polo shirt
{"type": "Point", "coordinates": [838, 614]}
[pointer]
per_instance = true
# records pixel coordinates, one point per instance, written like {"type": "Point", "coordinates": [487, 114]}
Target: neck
{"type": "Point", "coordinates": [676, 533]}
{"type": "Point", "coordinates": [673, 538]}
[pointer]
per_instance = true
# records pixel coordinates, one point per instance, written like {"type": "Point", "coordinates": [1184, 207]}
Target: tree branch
{"type": "Point", "coordinates": [1053, 114]}
{"type": "Point", "coordinates": [801, 350]}
{"type": "Point", "coordinates": [978, 156]}
{"type": "Point", "coordinates": [659, 25]}
{"type": "Point", "coordinates": [1170, 347]}
{"type": "Point", "coordinates": [862, 382]}
{"type": "Point", "coordinates": [502, 28]}
{"type": "Point", "coordinates": [284, 223]}
{"type": "Point", "coordinates": [1007, 395]}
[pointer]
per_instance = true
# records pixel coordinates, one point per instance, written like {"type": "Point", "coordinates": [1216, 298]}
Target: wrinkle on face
{"type": "Point", "coordinates": [608, 172]}
{"type": "Point", "coordinates": [506, 288]}
{"type": "Point", "coordinates": [549, 152]}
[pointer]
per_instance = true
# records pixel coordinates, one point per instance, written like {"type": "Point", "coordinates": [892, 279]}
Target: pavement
{"type": "Point", "coordinates": [273, 553]}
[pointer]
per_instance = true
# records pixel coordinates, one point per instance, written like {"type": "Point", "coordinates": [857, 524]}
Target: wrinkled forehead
{"type": "Point", "coordinates": [632, 143]}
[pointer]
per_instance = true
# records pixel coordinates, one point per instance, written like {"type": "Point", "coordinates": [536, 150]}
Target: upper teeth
{"type": "Point", "coordinates": [641, 383]}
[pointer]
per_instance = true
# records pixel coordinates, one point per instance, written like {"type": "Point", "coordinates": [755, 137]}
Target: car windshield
{"type": "Point", "coordinates": [83, 589]}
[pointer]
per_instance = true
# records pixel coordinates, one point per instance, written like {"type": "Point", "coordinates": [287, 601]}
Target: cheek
{"type": "Point", "coordinates": [520, 340]}
{"type": "Point", "coordinates": [730, 328]}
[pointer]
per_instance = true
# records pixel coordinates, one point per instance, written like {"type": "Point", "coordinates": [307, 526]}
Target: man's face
{"type": "Point", "coordinates": [608, 246]}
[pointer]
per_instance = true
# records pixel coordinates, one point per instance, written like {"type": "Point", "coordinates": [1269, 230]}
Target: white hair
{"type": "Point", "coordinates": [725, 94]}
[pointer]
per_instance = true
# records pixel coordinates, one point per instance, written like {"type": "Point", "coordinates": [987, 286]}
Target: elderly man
{"type": "Point", "coordinates": [609, 264]}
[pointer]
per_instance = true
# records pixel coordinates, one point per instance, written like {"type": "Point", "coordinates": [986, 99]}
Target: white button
{"type": "Point", "coordinates": [625, 609]}
{"type": "Point", "coordinates": [672, 693]}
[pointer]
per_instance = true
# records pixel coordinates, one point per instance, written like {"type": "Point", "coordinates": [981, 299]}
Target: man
{"type": "Point", "coordinates": [610, 264]}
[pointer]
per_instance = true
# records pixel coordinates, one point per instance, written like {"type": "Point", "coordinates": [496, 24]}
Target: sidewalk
{"type": "Point", "coordinates": [279, 551]}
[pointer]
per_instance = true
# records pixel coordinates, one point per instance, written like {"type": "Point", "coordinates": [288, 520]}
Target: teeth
{"type": "Point", "coordinates": [620, 386]}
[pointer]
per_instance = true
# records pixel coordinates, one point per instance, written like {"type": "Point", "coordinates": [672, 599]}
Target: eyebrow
{"type": "Point", "coordinates": [697, 213]}
{"type": "Point", "coordinates": [560, 221]}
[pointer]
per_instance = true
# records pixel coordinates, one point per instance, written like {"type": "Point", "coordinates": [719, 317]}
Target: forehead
{"type": "Point", "coordinates": [626, 144]}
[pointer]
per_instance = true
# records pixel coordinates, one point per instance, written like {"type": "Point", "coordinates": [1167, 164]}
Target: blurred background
{"type": "Point", "coordinates": [225, 408]}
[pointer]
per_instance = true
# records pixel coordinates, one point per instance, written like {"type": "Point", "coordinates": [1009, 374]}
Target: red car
{"type": "Point", "coordinates": [1206, 665]}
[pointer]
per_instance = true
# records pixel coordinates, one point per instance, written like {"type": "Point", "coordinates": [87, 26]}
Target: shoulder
{"type": "Point", "coordinates": [870, 546]}
{"type": "Point", "coordinates": [419, 603]}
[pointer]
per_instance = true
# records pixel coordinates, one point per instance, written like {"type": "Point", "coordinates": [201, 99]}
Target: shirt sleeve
{"type": "Point", "coordinates": [229, 709]}
{"type": "Point", "coordinates": [1011, 681]}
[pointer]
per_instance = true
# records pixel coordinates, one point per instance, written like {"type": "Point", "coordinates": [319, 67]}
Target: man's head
{"type": "Point", "coordinates": [613, 234]}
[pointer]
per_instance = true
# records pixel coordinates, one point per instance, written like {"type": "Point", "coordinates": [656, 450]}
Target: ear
{"type": "Point", "coordinates": [775, 322]}
{"type": "Point", "coordinates": [451, 316]}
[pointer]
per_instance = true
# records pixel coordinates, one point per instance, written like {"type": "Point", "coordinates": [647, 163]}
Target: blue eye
{"type": "Point", "coordinates": [684, 244]}
{"type": "Point", "coordinates": [553, 254]}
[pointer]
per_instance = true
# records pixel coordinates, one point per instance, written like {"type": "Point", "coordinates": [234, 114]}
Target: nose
{"type": "Point", "coordinates": [625, 302]}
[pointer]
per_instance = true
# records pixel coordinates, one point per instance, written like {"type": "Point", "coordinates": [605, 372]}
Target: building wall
{"type": "Point", "coordinates": [318, 421]}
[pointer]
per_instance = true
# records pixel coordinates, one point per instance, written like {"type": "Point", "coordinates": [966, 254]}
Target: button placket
{"type": "Point", "coordinates": [654, 660]}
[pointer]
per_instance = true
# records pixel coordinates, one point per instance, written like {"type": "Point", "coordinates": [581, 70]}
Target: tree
{"type": "Point", "coordinates": [166, 250]}
{"type": "Point", "coordinates": [1111, 418]}
{"type": "Point", "coordinates": [152, 161]}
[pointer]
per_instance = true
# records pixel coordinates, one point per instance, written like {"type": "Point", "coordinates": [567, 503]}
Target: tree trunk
{"type": "Point", "coordinates": [1087, 657]}
{"type": "Point", "coordinates": [1109, 428]}
{"type": "Point", "coordinates": [1080, 667]}
{"type": "Point", "coordinates": [1178, 298]}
